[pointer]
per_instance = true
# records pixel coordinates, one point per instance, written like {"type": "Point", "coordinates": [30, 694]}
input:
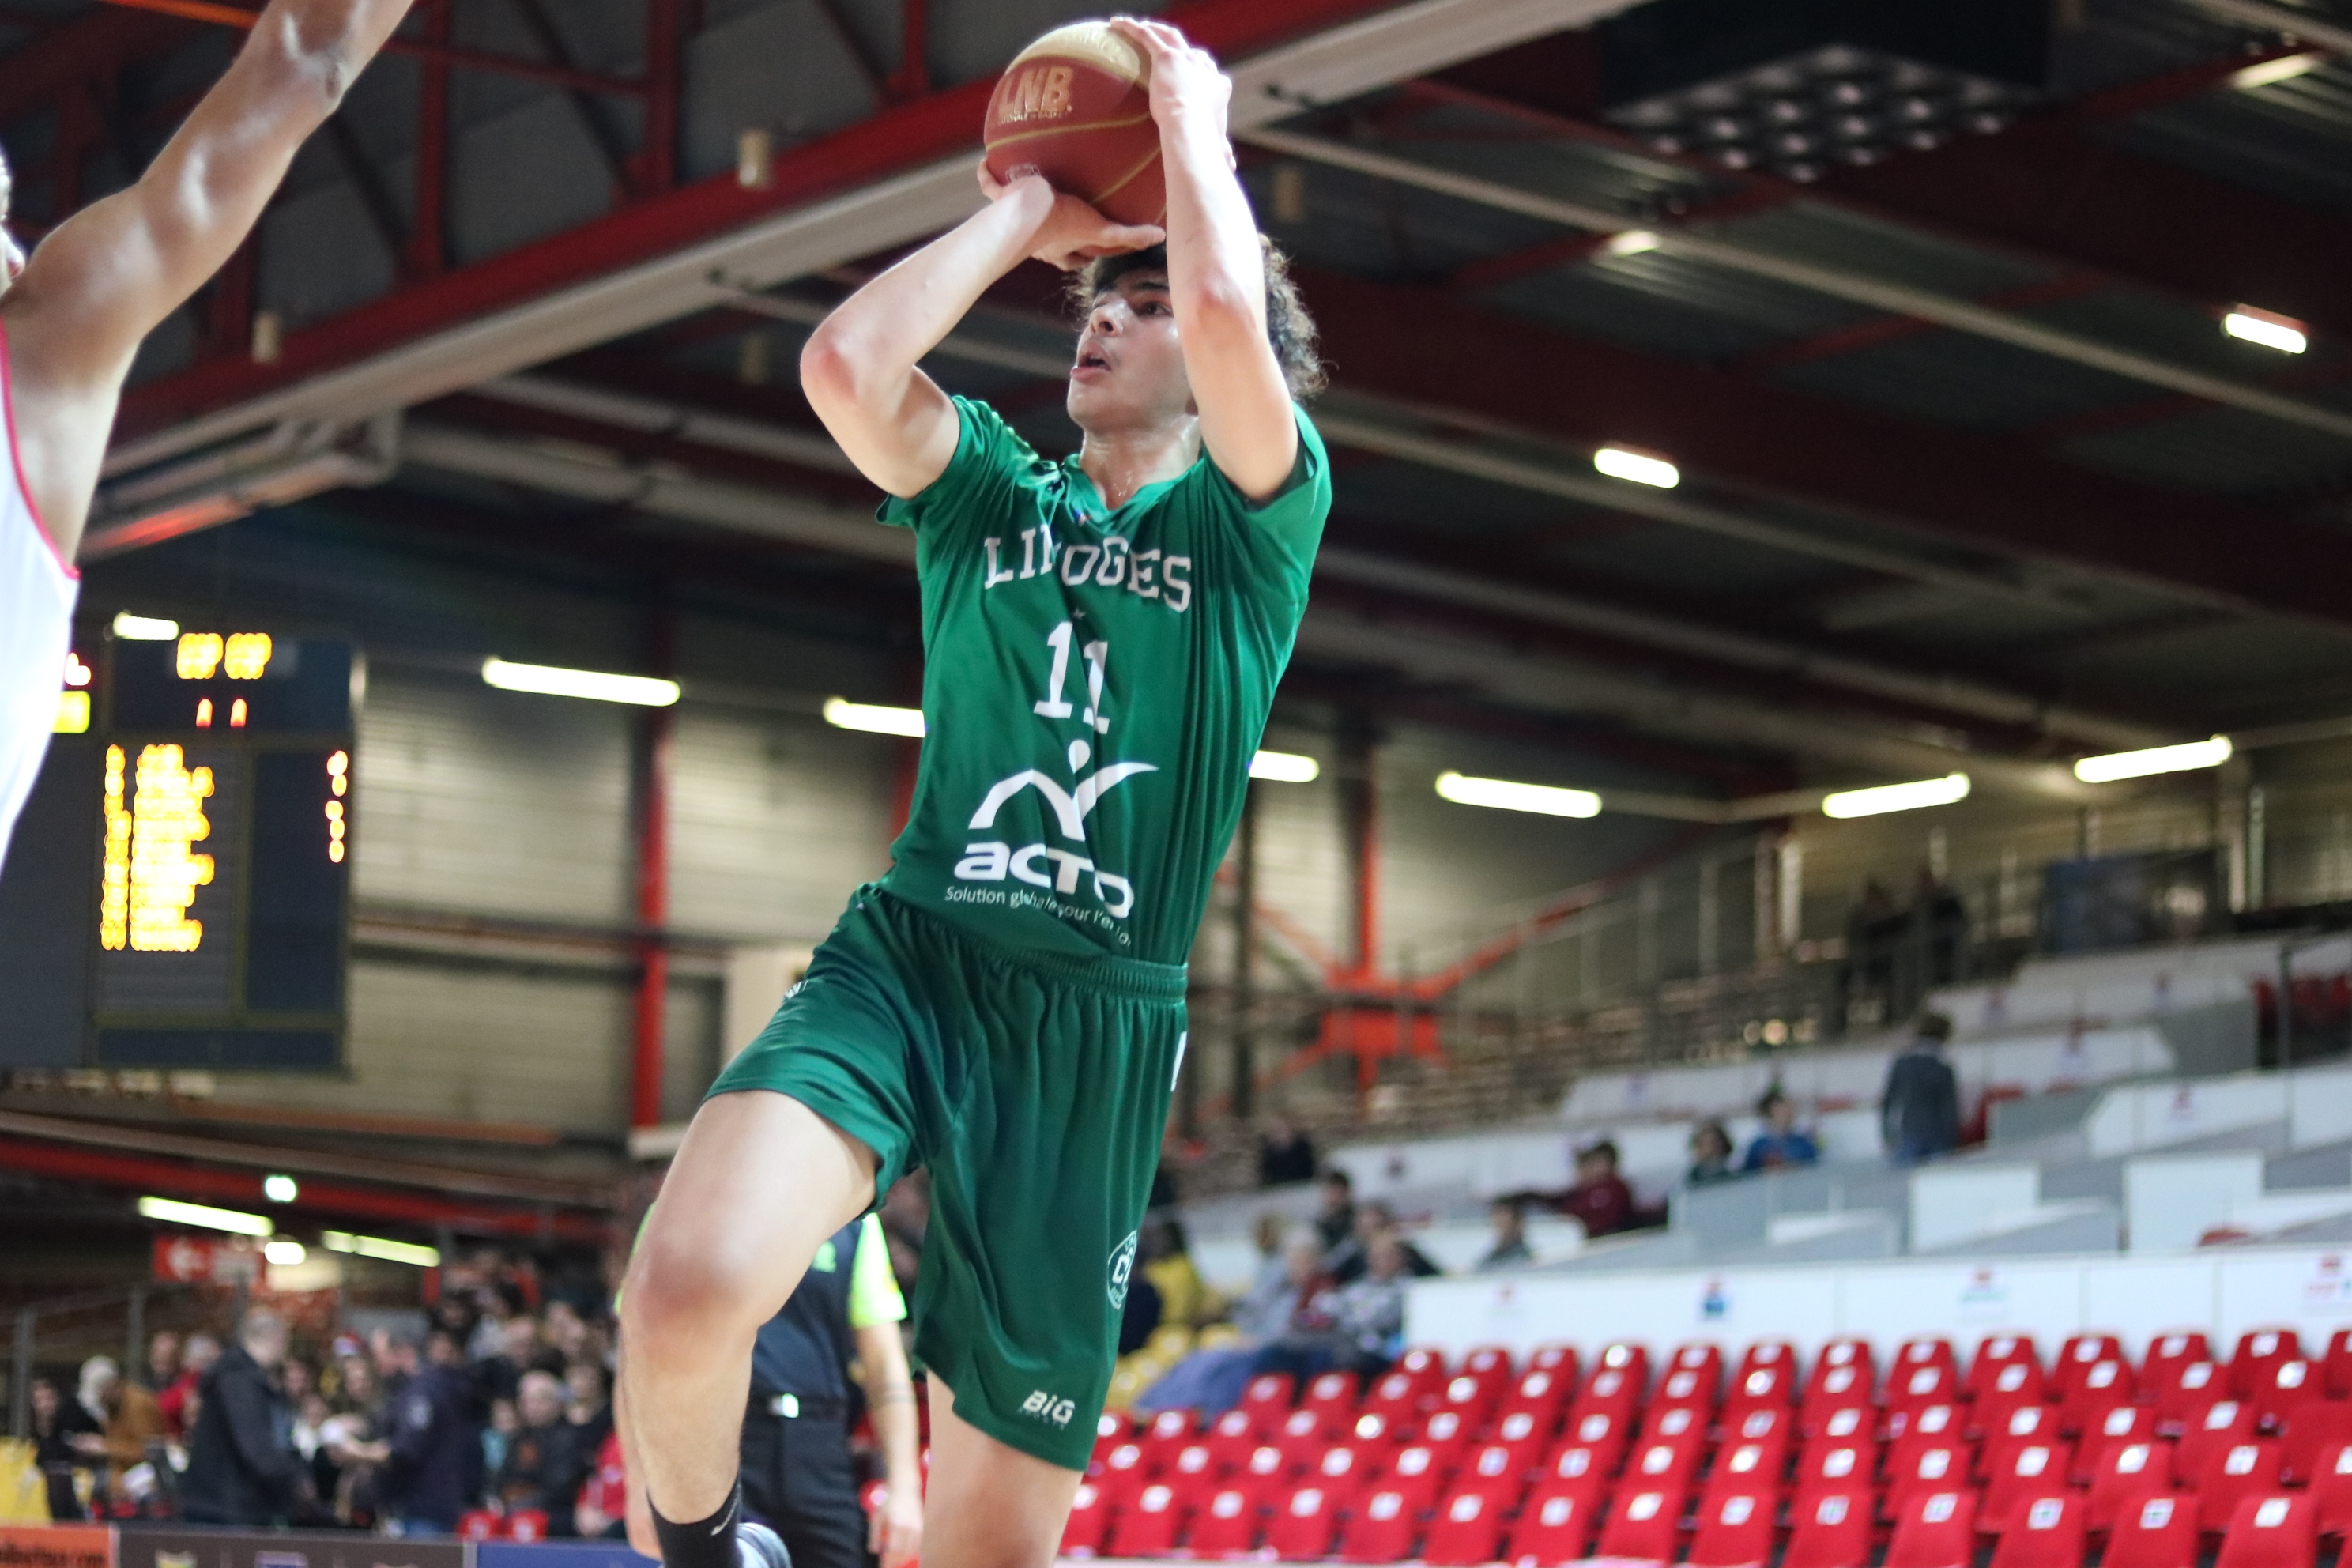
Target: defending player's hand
{"type": "Point", "coordinates": [1071, 232]}
{"type": "Point", "coordinates": [894, 1532]}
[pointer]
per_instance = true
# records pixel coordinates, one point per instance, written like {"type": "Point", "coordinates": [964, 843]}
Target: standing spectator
{"type": "Point", "coordinates": [346, 1465]}
{"type": "Point", "coordinates": [1285, 1154]}
{"type": "Point", "coordinates": [1780, 1144]}
{"type": "Point", "coordinates": [127, 1414]}
{"type": "Point", "coordinates": [1335, 1220]}
{"type": "Point", "coordinates": [197, 1358]}
{"type": "Point", "coordinates": [588, 1404]}
{"type": "Point", "coordinates": [1511, 1250]}
{"type": "Point", "coordinates": [544, 1463]}
{"type": "Point", "coordinates": [65, 1440]}
{"type": "Point", "coordinates": [500, 1376]}
{"type": "Point", "coordinates": [1919, 1114]}
{"type": "Point", "coordinates": [241, 1468]}
{"type": "Point", "coordinates": [1710, 1152]}
{"type": "Point", "coordinates": [430, 1458]}
{"type": "Point", "coordinates": [162, 1361]}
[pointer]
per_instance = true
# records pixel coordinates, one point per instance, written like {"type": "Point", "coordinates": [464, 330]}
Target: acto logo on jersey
{"type": "Point", "coordinates": [1042, 865]}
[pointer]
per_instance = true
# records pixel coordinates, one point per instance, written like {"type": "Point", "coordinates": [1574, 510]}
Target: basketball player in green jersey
{"type": "Point", "coordinates": [1005, 1007]}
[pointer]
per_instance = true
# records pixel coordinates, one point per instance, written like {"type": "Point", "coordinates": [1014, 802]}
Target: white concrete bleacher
{"type": "Point", "coordinates": [2096, 990]}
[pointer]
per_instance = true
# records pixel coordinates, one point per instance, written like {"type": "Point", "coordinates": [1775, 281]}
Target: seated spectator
{"type": "Point", "coordinates": [544, 1463]}
{"type": "Point", "coordinates": [162, 1361]}
{"type": "Point", "coordinates": [1185, 1298]}
{"type": "Point", "coordinates": [1212, 1381]}
{"type": "Point", "coordinates": [1284, 1155]}
{"type": "Point", "coordinates": [588, 1407]}
{"type": "Point", "coordinates": [1711, 1151]}
{"type": "Point", "coordinates": [519, 1351]}
{"type": "Point", "coordinates": [1335, 1218]}
{"type": "Point", "coordinates": [1601, 1200]}
{"type": "Point", "coordinates": [1779, 1146]}
{"type": "Point", "coordinates": [242, 1469]}
{"type": "Point", "coordinates": [1138, 1312]}
{"type": "Point", "coordinates": [1511, 1250]}
{"type": "Point", "coordinates": [1348, 1260]}
{"type": "Point", "coordinates": [126, 1414]}
{"type": "Point", "coordinates": [197, 1358]}
{"type": "Point", "coordinates": [1368, 1317]}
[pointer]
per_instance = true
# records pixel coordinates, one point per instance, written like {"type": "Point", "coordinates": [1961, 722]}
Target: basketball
{"type": "Point", "coordinates": [1076, 107]}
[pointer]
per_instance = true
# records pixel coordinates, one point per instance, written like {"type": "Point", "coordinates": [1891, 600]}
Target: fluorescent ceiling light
{"type": "Point", "coordinates": [873, 718]}
{"type": "Point", "coordinates": [280, 1189]}
{"type": "Point", "coordinates": [1505, 795]}
{"type": "Point", "coordinates": [1632, 242]}
{"type": "Point", "coordinates": [549, 680]}
{"type": "Point", "coordinates": [2272, 332]}
{"type": "Point", "coordinates": [2284, 68]}
{"type": "Point", "coordinates": [1884, 798]}
{"type": "Point", "coordinates": [1641, 469]}
{"type": "Point", "coordinates": [1284, 767]}
{"type": "Point", "coordinates": [407, 1252]}
{"type": "Point", "coordinates": [2115, 765]}
{"type": "Point", "coordinates": [145, 628]}
{"type": "Point", "coordinates": [282, 1253]}
{"type": "Point", "coordinates": [171, 1211]}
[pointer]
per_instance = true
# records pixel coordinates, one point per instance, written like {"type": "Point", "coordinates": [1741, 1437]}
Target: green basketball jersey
{"type": "Point", "coordinates": [1095, 685]}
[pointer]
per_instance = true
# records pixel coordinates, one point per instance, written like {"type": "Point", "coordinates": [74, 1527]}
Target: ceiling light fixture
{"type": "Point", "coordinates": [1640, 468]}
{"type": "Point", "coordinates": [595, 685]}
{"type": "Point", "coordinates": [873, 718]}
{"type": "Point", "coordinates": [283, 1253]}
{"type": "Point", "coordinates": [2286, 67]}
{"type": "Point", "coordinates": [1284, 767]}
{"type": "Point", "coordinates": [2267, 327]}
{"type": "Point", "coordinates": [1880, 799]}
{"type": "Point", "coordinates": [1632, 242]}
{"type": "Point", "coordinates": [145, 628]}
{"type": "Point", "coordinates": [2140, 764]}
{"type": "Point", "coordinates": [1503, 795]}
{"type": "Point", "coordinates": [171, 1210]}
{"type": "Point", "coordinates": [407, 1252]}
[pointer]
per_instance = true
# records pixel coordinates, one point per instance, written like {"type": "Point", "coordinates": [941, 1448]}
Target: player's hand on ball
{"type": "Point", "coordinates": [1187, 87]}
{"type": "Point", "coordinates": [1072, 233]}
{"type": "Point", "coordinates": [894, 1532]}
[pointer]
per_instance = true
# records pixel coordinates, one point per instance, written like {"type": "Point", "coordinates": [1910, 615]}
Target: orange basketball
{"type": "Point", "coordinates": [1076, 107]}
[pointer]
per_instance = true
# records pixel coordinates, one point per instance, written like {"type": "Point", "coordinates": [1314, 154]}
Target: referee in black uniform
{"type": "Point", "coordinates": [797, 1475]}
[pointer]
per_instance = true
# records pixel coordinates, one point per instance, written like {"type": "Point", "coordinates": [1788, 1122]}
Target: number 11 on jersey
{"type": "Point", "coordinates": [1053, 705]}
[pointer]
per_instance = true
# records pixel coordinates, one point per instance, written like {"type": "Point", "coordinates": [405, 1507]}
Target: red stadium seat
{"type": "Point", "coordinates": [1149, 1527]}
{"type": "Point", "coordinates": [1125, 1473]}
{"type": "Point", "coordinates": [1674, 1424]}
{"type": "Point", "coordinates": [1777, 1353]}
{"type": "Point", "coordinates": [1343, 1471]}
{"type": "Point", "coordinates": [1398, 1396]}
{"type": "Point", "coordinates": [1628, 1358]}
{"type": "Point", "coordinates": [2080, 1353]}
{"type": "Point", "coordinates": [2274, 1531]}
{"type": "Point", "coordinates": [2102, 1386]}
{"type": "Point", "coordinates": [1168, 1433]}
{"type": "Point", "coordinates": [1560, 1360]}
{"type": "Point", "coordinates": [1761, 1424]}
{"type": "Point", "coordinates": [1468, 1530]}
{"type": "Point", "coordinates": [1302, 1525]}
{"type": "Point", "coordinates": [2170, 1353]}
{"type": "Point", "coordinates": [2331, 1488]}
{"type": "Point", "coordinates": [2337, 1364]}
{"type": "Point", "coordinates": [2291, 1385]}
{"type": "Point", "coordinates": [1335, 1392]}
{"type": "Point", "coordinates": [2154, 1532]}
{"type": "Point", "coordinates": [1929, 1467]}
{"type": "Point", "coordinates": [2123, 1424]}
{"type": "Point", "coordinates": [2189, 1392]}
{"type": "Point", "coordinates": [1994, 1352]}
{"type": "Point", "coordinates": [2312, 1437]}
{"type": "Point", "coordinates": [1760, 1388]}
{"type": "Point", "coordinates": [478, 1524]}
{"type": "Point", "coordinates": [1603, 1433]}
{"type": "Point", "coordinates": [1268, 1398]}
{"type": "Point", "coordinates": [1645, 1523]}
{"type": "Point", "coordinates": [1266, 1465]}
{"type": "Point", "coordinates": [1417, 1474]}
{"type": "Point", "coordinates": [1917, 1387]}
{"type": "Point", "coordinates": [1843, 1424]}
{"type": "Point", "coordinates": [1925, 1427]}
{"type": "Point", "coordinates": [2029, 1471]}
{"type": "Point", "coordinates": [1082, 1535]}
{"type": "Point", "coordinates": [2231, 1475]}
{"type": "Point", "coordinates": [1527, 1439]}
{"type": "Point", "coordinates": [2257, 1353]}
{"type": "Point", "coordinates": [2026, 1424]}
{"type": "Point", "coordinates": [1661, 1464]}
{"type": "Point", "coordinates": [1446, 1434]}
{"type": "Point", "coordinates": [1232, 1437]}
{"type": "Point", "coordinates": [1556, 1526]}
{"type": "Point", "coordinates": [1424, 1365]}
{"type": "Point", "coordinates": [1474, 1398]}
{"type": "Point", "coordinates": [1382, 1530]}
{"type": "Point", "coordinates": [1492, 1363]}
{"type": "Point", "coordinates": [1926, 1350]}
{"type": "Point", "coordinates": [1572, 1463]}
{"type": "Point", "coordinates": [1194, 1470]}
{"type": "Point", "coordinates": [1935, 1529]}
{"type": "Point", "coordinates": [1372, 1430]}
{"type": "Point", "coordinates": [1851, 1357]}
{"type": "Point", "coordinates": [1498, 1471]}
{"type": "Point", "coordinates": [2225, 1426]}
{"type": "Point", "coordinates": [1830, 1466]}
{"type": "Point", "coordinates": [1612, 1391]}
{"type": "Point", "coordinates": [1226, 1525]}
{"type": "Point", "coordinates": [2013, 1384]}
{"type": "Point", "coordinates": [1541, 1395]}
{"type": "Point", "coordinates": [1830, 1529]}
{"type": "Point", "coordinates": [1685, 1388]}
{"type": "Point", "coordinates": [1748, 1467]}
{"type": "Point", "coordinates": [1303, 1437]}
{"type": "Point", "coordinates": [2046, 1532]}
{"type": "Point", "coordinates": [2125, 1476]}
{"type": "Point", "coordinates": [1735, 1528]}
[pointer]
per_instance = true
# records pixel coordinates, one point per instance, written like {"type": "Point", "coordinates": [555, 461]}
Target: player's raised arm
{"type": "Point", "coordinates": [858, 368]}
{"type": "Point", "coordinates": [1216, 271]}
{"type": "Point", "coordinates": [112, 272]}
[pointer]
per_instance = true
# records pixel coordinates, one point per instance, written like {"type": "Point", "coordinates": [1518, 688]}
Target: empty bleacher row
{"type": "Point", "coordinates": [1761, 1461]}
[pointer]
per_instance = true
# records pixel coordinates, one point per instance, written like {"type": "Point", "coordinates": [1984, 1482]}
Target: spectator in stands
{"type": "Point", "coordinates": [1711, 1151]}
{"type": "Point", "coordinates": [1278, 1330]}
{"type": "Point", "coordinates": [1511, 1250]}
{"type": "Point", "coordinates": [1185, 1298]}
{"type": "Point", "coordinates": [1285, 1154]}
{"type": "Point", "coordinates": [162, 1361]}
{"type": "Point", "coordinates": [544, 1462]}
{"type": "Point", "coordinates": [1601, 1199]}
{"type": "Point", "coordinates": [126, 1414]}
{"type": "Point", "coordinates": [65, 1440]}
{"type": "Point", "coordinates": [1138, 1312]}
{"type": "Point", "coordinates": [1919, 1114]}
{"type": "Point", "coordinates": [500, 1376]}
{"type": "Point", "coordinates": [429, 1458]}
{"type": "Point", "coordinates": [242, 1468]}
{"type": "Point", "coordinates": [1370, 1314]}
{"type": "Point", "coordinates": [197, 1358]}
{"type": "Point", "coordinates": [589, 1403]}
{"type": "Point", "coordinates": [346, 1465]}
{"type": "Point", "coordinates": [1780, 1144]}
{"type": "Point", "coordinates": [1335, 1219]}
{"type": "Point", "coordinates": [1350, 1260]}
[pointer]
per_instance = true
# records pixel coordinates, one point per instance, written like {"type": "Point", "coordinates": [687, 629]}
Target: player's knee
{"type": "Point", "coordinates": [683, 1289]}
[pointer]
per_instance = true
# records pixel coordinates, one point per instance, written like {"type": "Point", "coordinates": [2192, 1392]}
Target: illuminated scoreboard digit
{"type": "Point", "coordinates": [178, 893]}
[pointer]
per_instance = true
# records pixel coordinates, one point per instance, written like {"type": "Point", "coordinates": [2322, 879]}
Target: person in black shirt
{"type": "Point", "coordinates": [1920, 1112]}
{"type": "Point", "coordinates": [431, 1452]}
{"type": "Point", "coordinates": [242, 1467]}
{"type": "Point", "coordinates": [544, 1462]}
{"type": "Point", "coordinates": [1284, 1155]}
{"type": "Point", "coordinates": [1334, 1221]}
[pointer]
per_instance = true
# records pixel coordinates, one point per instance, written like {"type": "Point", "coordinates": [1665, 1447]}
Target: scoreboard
{"type": "Point", "coordinates": [178, 890]}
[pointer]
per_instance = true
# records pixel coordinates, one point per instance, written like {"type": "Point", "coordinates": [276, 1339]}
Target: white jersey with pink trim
{"type": "Point", "coordinates": [37, 590]}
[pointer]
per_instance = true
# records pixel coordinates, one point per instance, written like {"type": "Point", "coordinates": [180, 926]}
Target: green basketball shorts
{"type": "Point", "coordinates": [1035, 1088]}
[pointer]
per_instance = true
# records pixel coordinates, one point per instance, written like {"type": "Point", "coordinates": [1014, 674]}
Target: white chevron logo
{"type": "Point", "coordinates": [1071, 807]}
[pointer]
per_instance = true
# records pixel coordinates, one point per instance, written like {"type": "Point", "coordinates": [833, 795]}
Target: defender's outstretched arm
{"type": "Point", "coordinates": [858, 367]}
{"type": "Point", "coordinates": [113, 271]}
{"type": "Point", "coordinates": [1216, 272]}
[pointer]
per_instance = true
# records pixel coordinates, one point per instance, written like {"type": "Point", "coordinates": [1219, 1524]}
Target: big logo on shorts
{"type": "Point", "coordinates": [1122, 1266]}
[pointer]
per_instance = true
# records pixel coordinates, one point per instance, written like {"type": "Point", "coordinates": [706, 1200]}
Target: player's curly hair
{"type": "Point", "coordinates": [1288, 327]}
